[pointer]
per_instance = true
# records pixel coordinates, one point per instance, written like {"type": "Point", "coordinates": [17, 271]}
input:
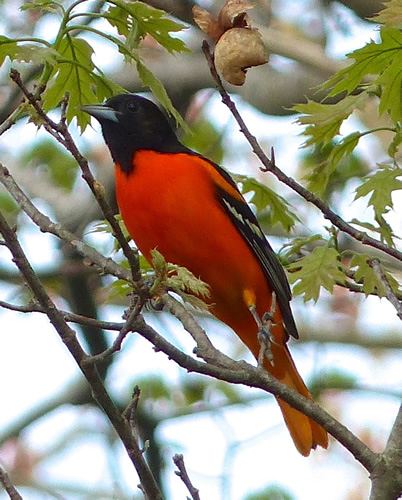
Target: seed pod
{"type": "Point", "coordinates": [233, 14]}
{"type": "Point", "coordinates": [207, 22]}
{"type": "Point", "coordinates": [238, 49]}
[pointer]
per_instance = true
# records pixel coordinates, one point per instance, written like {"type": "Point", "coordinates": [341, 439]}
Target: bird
{"type": "Point", "coordinates": [189, 208]}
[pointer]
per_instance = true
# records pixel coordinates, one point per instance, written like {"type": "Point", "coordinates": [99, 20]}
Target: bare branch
{"type": "Point", "coordinates": [182, 473]}
{"type": "Point", "coordinates": [104, 264]}
{"type": "Point", "coordinates": [8, 485]}
{"type": "Point", "coordinates": [387, 474]}
{"type": "Point", "coordinates": [391, 296]}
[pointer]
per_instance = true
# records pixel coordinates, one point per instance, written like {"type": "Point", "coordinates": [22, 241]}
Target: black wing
{"type": "Point", "coordinates": [247, 224]}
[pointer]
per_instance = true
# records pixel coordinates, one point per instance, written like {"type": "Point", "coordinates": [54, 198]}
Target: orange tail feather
{"type": "Point", "coordinates": [305, 432]}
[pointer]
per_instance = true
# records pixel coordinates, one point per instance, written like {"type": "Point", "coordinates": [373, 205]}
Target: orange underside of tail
{"type": "Point", "coordinates": [305, 432]}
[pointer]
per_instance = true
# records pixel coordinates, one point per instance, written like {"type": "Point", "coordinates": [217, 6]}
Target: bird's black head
{"type": "Point", "coordinates": [131, 123]}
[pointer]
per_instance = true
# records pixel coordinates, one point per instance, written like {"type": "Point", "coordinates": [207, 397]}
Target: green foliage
{"type": "Point", "coordinates": [74, 73]}
{"type": "Point", "coordinates": [295, 246]}
{"type": "Point", "coordinates": [264, 198]}
{"type": "Point", "coordinates": [7, 204]}
{"type": "Point", "coordinates": [374, 73]}
{"type": "Point", "coordinates": [326, 179]}
{"type": "Point", "coordinates": [68, 64]}
{"type": "Point", "coordinates": [21, 51]}
{"type": "Point", "coordinates": [381, 184]}
{"type": "Point", "coordinates": [135, 20]}
{"type": "Point", "coordinates": [322, 268]}
{"type": "Point", "coordinates": [204, 138]}
{"type": "Point", "coordinates": [323, 121]}
{"type": "Point", "coordinates": [365, 275]}
{"type": "Point", "coordinates": [384, 61]}
{"type": "Point", "coordinates": [332, 379]}
{"type": "Point", "coordinates": [60, 167]}
{"type": "Point", "coordinates": [179, 280]}
{"type": "Point", "coordinates": [272, 492]}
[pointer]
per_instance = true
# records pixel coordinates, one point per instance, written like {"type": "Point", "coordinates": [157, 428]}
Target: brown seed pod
{"type": "Point", "coordinates": [207, 22]}
{"type": "Point", "coordinates": [236, 50]}
{"type": "Point", "coordinates": [233, 14]}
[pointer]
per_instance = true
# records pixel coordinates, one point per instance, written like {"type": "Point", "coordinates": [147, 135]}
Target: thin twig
{"type": "Point", "coordinates": [130, 413]}
{"type": "Point", "coordinates": [8, 486]}
{"type": "Point", "coordinates": [128, 327]}
{"type": "Point", "coordinates": [183, 475]}
{"type": "Point", "coordinates": [269, 166]}
{"type": "Point", "coordinates": [46, 225]}
{"type": "Point", "coordinates": [390, 294]}
{"type": "Point", "coordinates": [79, 319]}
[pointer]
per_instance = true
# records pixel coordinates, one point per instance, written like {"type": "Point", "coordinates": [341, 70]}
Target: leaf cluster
{"type": "Point", "coordinates": [179, 280]}
{"type": "Point", "coordinates": [68, 65]}
{"type": "Point", "coordinates": [325, 266]}
{"type": "Point", "coordinates": [374, 74]}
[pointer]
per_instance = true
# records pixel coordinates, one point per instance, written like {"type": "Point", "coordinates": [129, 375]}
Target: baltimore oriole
{"type": "Point", "coordinates": [189, 208]}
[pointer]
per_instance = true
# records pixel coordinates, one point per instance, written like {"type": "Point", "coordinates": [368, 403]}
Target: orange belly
{"type": "Point", "coordinates": [167, 214]}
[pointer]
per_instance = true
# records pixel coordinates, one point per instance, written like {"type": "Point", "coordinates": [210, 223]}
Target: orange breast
{"type": "Point", "coordinates": [169, 202]}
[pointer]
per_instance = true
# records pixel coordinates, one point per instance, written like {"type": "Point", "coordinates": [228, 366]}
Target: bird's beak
{"type": "Point", "coordinates": [101, 112]}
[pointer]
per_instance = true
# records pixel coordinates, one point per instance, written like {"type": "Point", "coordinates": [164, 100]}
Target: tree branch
{"type": "Point", "coordinates": [387, 474]}
{"type": "Point", "coordinates": [240, 372]}
{"type": "Point", "coordinates": [8, 485]}
{"type": "Point", "coordinates": [390, 294]}
{"type": "Point", "coordinates": [104, 264]}
{"type": "Point", "coordinates": [178, 460]}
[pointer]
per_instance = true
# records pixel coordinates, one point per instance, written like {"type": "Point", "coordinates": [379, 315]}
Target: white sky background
{"type": "Point", "coordinates": [251, 445]}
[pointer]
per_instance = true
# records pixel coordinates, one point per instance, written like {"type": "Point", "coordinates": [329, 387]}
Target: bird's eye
{"type": "Point", "coordinates": [133, 106]}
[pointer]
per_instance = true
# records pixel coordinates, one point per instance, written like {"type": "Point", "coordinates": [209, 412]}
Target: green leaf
{"type": "Point", "coordinates": [7, 203]}
{"type": "Point", "coordinates": [365, 275]}
{"type": "Point", "coordinates": [264, 198]}
{"type": "Point", "coordinates": [320, 269]}
{"type": "Point", "coordinates": [26, 52]}
{"type": "Point", "coordinates": [333, 379]}
{"type": "Point", "coordinates": [48, 5]}
{"type": "Point", "coordinates": [324, 120]}
{"type": "Point", "coordinates": [159, 91]}
{"type": "Point", "coordinates": [180, 280]}
{"type": "Point", "coordinates": [318, 179]}
{"type": "Point", "coordinates": [391, 83]}
{"type": "Point", "coordinates": [135, 20]}
{"type": "Point", "coordinates": [54, 161]}
{"type": "Point", "coordinates": [294, 247]}
{"type": "Point", "coordinates": [372, 59]}
{"type": "Point", "coordinates": [76, 75]}
{"type": "Point", "coordinates": [381, 184]}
